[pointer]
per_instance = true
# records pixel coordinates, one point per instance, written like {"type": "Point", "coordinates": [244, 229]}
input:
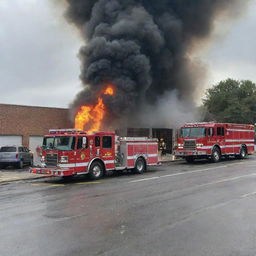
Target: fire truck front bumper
{"type": "Point", "coordinates": [59, 172]}
{"type": "Point", "coordinates": [195, 153]}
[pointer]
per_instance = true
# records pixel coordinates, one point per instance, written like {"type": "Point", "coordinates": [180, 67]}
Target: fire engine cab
{"type": "Point", "coordinates": [214, 140]}
{"type": "Point", "coordinates": [69, 152]}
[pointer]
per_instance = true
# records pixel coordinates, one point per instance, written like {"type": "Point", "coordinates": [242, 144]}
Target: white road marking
{"type": "Point", "coordinates": [183, 173]}
{"type": "Point", "coordinates": [249, 194]}
{"type": "Point", "coordinates": [177, 174]}
{"type": "Point", "coordinates": [226, 180]}
{"type": "Point", "coordinates": [152, 178]}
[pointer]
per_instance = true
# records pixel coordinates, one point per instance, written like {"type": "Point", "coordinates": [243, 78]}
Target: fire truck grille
{"type": "Point", "coordinates": [190, 144]}
{"type": "Point", "coordinates": [51, 159]}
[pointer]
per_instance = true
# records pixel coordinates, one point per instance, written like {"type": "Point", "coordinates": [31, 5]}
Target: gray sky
{"type": "Point", "coordinates": [38, 53]}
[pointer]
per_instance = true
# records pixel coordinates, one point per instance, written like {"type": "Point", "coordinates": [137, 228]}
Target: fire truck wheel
{"type": "Point", "coordinates": [67, 178]}
{"type": "Point", "coordinates": [140, 166]}
{"type": "Point", "coordinates": [216, 155]}
{"type": "Point", "coordinates": [96, 170]}
{"type": "Point", "coordinates": [190, 159]}
{"type": "Point", "coordinates": [242, 153]}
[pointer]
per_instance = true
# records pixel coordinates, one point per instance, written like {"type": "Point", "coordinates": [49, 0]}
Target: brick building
{"type": "Point", "coordinates": [26, 124]}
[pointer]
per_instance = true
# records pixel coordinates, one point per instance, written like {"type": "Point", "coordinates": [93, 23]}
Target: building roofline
{"type": "Point", "coordinates": [29, 106]}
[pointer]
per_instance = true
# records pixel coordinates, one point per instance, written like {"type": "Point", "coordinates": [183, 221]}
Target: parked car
{"type": "Point", "coordinates": [16, 156]}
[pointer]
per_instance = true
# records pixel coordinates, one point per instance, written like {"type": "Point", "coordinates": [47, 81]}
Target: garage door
{"type": "Point", "coordinates": [9, 140]}
{"type": "Point", "coordinates": [34, 143]}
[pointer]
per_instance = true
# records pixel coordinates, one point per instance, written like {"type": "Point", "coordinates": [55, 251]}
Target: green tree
{"type": "Point", "coordinates": [231, 101]}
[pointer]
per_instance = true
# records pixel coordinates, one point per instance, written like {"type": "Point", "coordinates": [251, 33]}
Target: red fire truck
{"type": "Point", "coordinates": [214, 140]}
{"type": "Point", "coordinates": [69, 152]}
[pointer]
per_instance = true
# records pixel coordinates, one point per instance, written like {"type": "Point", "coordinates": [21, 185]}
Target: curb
{"type": "Point", "coordinates": [21, 179]}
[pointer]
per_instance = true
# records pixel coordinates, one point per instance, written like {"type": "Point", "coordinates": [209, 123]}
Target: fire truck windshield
{"type": "Point", "coordinates": [192, 132]}
{"type": "Point", "coordinates": [59, 143]}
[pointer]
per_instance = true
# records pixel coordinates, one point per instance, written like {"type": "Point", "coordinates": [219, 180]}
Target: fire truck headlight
{"type": "Point", "coordinates": [43, 159]}
{"type": "Point", "coordinates": [199, 145]}
{"type": "Point", "coordinates": [180, 146]}
{"type": "Point", "coordinates": [64, 159]}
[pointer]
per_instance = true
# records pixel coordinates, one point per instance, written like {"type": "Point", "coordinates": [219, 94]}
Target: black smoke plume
{"type": "Point", "coordinates": [142, 47]}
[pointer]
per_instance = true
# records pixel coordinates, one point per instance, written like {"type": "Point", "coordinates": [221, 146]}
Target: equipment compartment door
{"type": "Point", "coordinates": [108, 151]}
{"type": "Point", "coordinates": [230, 140]}
{"type": "Point", "coordinates": [220, 137]}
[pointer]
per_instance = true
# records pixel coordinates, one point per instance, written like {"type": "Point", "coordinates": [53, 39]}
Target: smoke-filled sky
{"type": "Point", "coordinates": [38, 53]}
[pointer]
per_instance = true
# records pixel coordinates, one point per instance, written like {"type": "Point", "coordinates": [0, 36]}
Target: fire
{"type": "Point", "coordinates": [109, 91]}
{"type": "Point", "coordinates": [92, 116]}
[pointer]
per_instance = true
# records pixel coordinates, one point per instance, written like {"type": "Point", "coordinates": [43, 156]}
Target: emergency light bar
{"type": "Point", "coordinates": [200, 123]}
{"type": "Point", "coordinates": [62, 131]}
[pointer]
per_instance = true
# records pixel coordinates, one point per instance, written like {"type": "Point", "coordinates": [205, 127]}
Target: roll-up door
{"type": "Point", "coordinates": [9, 140]}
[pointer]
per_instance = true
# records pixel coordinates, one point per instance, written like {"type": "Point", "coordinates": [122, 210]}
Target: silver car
{"type": "Point", "coordinates": [16, 156]}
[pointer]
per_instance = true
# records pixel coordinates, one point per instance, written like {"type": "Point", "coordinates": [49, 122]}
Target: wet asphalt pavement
{"type": "Point", "coordinates": [176, 209]}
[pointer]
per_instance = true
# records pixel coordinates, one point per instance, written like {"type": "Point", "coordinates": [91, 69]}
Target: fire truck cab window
{"type": "Point", "coordinates": [97, 141]}
{"type": "Point", "coordinates": [48, 143]}
{"type": "Point", "coordinates": [80, 143]}
{"type": "Point", "coordinates": [220, 131]}
{"type": "Point", "coordinates": [107, 142]}
{"type": "Point", "coordinates": [64, 143]}
{"type": "Point", "coordinates": [192, 132]}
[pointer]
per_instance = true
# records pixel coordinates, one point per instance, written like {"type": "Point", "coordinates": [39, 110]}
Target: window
{"type": "Point", "coordinates": [48, 143]}
{"type": "Point", "coordinates": [107, 142]}
{"type": "Point", "coordinates": [8, 149]}
{"type": "Point", "coordinates": [64, 143]}
{"type": "Point", "coordinates": [193, 132]}
{"type": "Point", "coordinates": [220, 131]}
{"type": "Point", "coordinates": [80, 143]}
{"type": "Point", "coordinates": [97, 141]}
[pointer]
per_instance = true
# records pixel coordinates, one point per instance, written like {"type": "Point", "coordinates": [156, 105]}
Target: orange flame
{"type": "Point", "coordinates": [92, 116]}
{"type": "Point", "coordinates": [109, 91]}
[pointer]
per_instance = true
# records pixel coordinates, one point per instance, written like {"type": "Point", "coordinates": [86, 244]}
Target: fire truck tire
{"type": "Point", "coordinates": [216, 155]}
{"type": "Point", "coordinates": [243, 153]}
{"type": "Point", "coordinates": [140, 166]}
{"type": "Point", "coordinates": [96, 170]}
{"type": "Point", "coordinates": [190, 159]}
{"type": "Point", "coordinates": [67, 178]}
